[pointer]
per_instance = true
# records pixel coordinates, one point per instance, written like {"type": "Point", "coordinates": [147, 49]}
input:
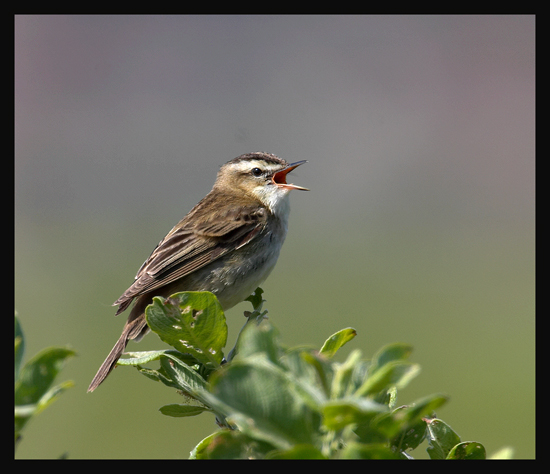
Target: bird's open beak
{"type": "Point", "coordinates": [279, 178]}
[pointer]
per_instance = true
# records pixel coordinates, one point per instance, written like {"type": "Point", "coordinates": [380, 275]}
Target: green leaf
{"type": "Point", "coordinates": [200, 451]}
{"type": "Point", "coordinates": [503, 453]}
{"type": "Point", "coordinates": [411, 437]}
{"type": "Point", "coordinates": [157, 376]}
{"type": "Point", "coordinates": [177, 410]}
{"type": "Point", "coordinates": [182, 376]}
{"type": "Point", "coordinates": [368, 451]}
{"type": "Point", "coordinates": [389, 353]}
{"type": "Point", "coordinates": [308, 375]}
{"type": "Point", "coordinates": [38, 374]}
{"type": "Point", "coordinates": [19, 343]}
{"type": "Point", "coordinates": [337, 414]}
{"type": "Point", "coordinates": [298, 451]}
{"type": "Point", "coordinates": [403, 418]}
{"type": "Point", "coordinates": [322, 369]}
{"type": "Point", "coordinates": [23, 413]}
{"type": "Point", "coordinates": [336, 341]}
{"type": "Point", "coordinates": [422, 408]}
{"type": "Point", "coordinates": [221, 445]}
{"type": "Point", "coordinates": [345, 375]}
{"type": "Point", "coordinates": [467, 450]}
{"type": "Point", "coordinates": [359, 373]}
{"type": "Point", "coordinates": [256, 299]}
{"type": "Point", "coordinates": [192, 322]}
{"type": "Point", "coordinates": [263, 400]}
{"type": "Point", "coordinates": [138, 358]}
{"type": "Point", "coordinates": [441, 438]}
{"type": "Point", "coordinates": [384, 370]}
{"type": "Point", "coordinates": [392, 374]}
{"type": "Point", "coordinates": [177, 370]}
{"type": "Point", "coordinates": [404, 426]}
{"type": "Point", "coordinates": [257, 339]}
{"type": "Point", "coordinates": [33, 387]}
{"type": "Point", "coordinates": [228, 444]}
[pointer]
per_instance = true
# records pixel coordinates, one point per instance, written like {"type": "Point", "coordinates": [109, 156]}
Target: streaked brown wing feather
{"type": "Point", "coordinates": [187, 248]}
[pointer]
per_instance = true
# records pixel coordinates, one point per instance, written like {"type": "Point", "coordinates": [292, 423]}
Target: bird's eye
{"type": "Point", "coordinates": [256, 172]}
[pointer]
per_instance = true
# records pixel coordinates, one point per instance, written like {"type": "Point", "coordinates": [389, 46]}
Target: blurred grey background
{"type": "Point", "coordinates": [419, 226]}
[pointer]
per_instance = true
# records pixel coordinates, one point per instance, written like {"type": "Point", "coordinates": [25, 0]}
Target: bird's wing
{"type": "Point", "coordinates": [192, 244]}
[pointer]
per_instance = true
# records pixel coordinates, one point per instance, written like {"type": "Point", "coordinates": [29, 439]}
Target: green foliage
{"type": "Point", "coordinates": [33, 381]}
{"type": "Point", "coordinates": [191, 322]}
{"type": "Point", "coordinates": [279, 403]}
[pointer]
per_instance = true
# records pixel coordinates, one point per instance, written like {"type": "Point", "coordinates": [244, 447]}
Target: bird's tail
{"type": "Point", "coordinates": [134, 329]}
{"type": "Point", "coordinates": [109, 363]}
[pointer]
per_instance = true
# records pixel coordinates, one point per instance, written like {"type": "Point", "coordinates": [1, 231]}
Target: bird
{"type": "Point", "coordinates": [227, 244]}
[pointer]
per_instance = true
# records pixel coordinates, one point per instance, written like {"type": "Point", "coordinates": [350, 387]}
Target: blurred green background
{"type": "Point", "coordinates": [419, 226]}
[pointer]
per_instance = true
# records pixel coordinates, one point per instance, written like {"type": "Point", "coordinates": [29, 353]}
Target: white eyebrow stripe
{"type": "Point", "coordinates": [249, 164]}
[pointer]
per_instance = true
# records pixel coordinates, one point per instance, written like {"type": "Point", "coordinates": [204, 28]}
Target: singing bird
{"type": "Point", "coordinates": [227, 244]}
